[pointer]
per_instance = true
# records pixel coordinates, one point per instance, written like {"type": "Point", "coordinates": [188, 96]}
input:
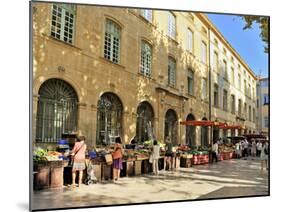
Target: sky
{"type": "Point", "coordinates": [247, 43]}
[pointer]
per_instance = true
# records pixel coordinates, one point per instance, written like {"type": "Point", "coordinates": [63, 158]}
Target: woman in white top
{"type": "Point", "coordinates": [263, 156]}
{"type": "Point", "coordinates": [155, 157]}
{"type": "Point", "coordinates": [254, 149]}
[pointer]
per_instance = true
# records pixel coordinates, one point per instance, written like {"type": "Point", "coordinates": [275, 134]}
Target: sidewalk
{"type": "Point", "coordinates": [228, 178]}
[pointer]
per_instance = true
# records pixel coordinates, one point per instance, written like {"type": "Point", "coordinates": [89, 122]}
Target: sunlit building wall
{"type": "Point", "coordinates": [107, 72]}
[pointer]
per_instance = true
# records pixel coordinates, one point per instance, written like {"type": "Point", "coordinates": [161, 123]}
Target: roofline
{"type": "Point", "coordinates": [215, 30]}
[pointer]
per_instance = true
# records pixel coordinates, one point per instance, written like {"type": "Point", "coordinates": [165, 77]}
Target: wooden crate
{"type": "Point", "coordinates": [137, 167]}
{"type": "Point", "coordinates": [56, 177]}
{"type": "Point", "coordinates": [185, 162]}
{"type": "Point", "coordinates": [97, 171]}
{"type": "Point", "coordinates": [200, 159]}
{"type": "Point", "coordinates": [107, 172]}
{"type": "Point", "coordinates": [42, 177]}
{"type": "Point", "coordinates": [146, 167]}
{"type": "Point", "coordinates": [130, 168]}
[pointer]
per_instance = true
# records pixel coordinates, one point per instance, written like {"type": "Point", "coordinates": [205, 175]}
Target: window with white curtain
{"type": "Point", "coordinates": [203, 52]}
{"type": "Point", "coordinates": [147, 14]}
{"type": "Point", "coordinates": [189, 40]}
{"type": "Point", "coordinates": [204, 88]}
{"type": "Point", "coordinates": [172, 25]}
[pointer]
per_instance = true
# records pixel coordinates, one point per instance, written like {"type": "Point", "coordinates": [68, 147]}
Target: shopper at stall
{"type": "Point", "coordinates": [238, 149]}
{"type": "Point", "coordinates": [215, 151]}
{"type": "Point", "coordinates": [259, 144]}
{"type": "Point", "coordinates": [78, 154]}
{"type": "Point", "coordinates": [263, 156]}
{"type": "Point", "coordinates": [155, 157]}
{"type": "Point", "coordinates": [117, 158]}
{"type": "Point", "coordinates": [254, 149]}
{"type": "Point", "coordinates": [168, 154]}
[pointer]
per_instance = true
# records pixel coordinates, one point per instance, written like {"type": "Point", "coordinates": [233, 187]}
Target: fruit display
{"type": "Point", "coordinates": [44, 155]}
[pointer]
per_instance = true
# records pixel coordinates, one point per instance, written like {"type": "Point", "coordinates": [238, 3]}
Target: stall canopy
{"type": "Point", "coordinates": [250, 136]}
{"type": "Point", "coordinates": [220, 125]}
{"type": "Point", "coordinates": [202, 123]}
{"type": "Point", "coordinates": [231, 127]}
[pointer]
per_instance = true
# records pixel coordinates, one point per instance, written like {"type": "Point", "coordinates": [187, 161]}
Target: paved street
{"type": "Point", "coordinates": [225, 179]}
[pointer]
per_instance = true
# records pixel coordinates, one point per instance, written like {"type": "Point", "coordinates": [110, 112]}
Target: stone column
{"type": "Point", "coordinates": [35, 99]}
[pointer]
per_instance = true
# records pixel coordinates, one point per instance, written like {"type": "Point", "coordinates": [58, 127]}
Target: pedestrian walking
{"type": "Point", "coordinates": [238, 149]}
{"type": "Point", "coordinates": [215, 151]}
{"type": "Point", "coordinates": [263, 156]}
{"type": "Point", "coordinates": [254, 149]}
{"type": "Point", "coordinates": [117, 158]}
{"type": "Point", "coordinates": [155, 157]}
{"type": "Point", "coordinates": [168, 154]}
{"type": "Point", "coordinates": [78, 154]}
{"type": "Point", "coordinates": [259, 144]}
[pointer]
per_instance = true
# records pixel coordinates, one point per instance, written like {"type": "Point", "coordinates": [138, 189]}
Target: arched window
{"type": "Point", "coordinates": [112, 40]}
{"type": "Point", "coordinates": [190, 131]}
{"type": "Point", "coordinates": [204, 134]}
{"type": "Point", "coordinates": [109, 118]}
{"type": "Point", "coordinates": [145, 118]}
{"type": "Point", "coordinates": [56, 110]}
{"type": "Point", "coordinates": [171, 126]}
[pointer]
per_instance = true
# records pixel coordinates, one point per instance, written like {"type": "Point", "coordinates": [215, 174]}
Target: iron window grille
{"type": "Point", "coordinates": [171, 126]}
{"type": "Point", "coordinates": [62, 25]}
{"type": "Point", "coordinates": [56, 111]}
{"type": "Point", "coordinates": [145, 119]}
{"type": "Point", "coordinates": [190, 132]}
{"type": "Point", "coordinates": [109, 119]}
{"type": "Point", "coordinates": [112, 41]}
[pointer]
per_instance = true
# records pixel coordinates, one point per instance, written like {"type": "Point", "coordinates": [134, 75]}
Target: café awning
{"type": "Point", "coordinates": [201, 123]}
{"type": "Point", "coordinates": [249, 136]}
{"type": "Point", "coordinates": [230, 127]}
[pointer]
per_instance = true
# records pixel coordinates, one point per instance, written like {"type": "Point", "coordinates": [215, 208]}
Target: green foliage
{"type": "Point", "coordinates": [263, 25]}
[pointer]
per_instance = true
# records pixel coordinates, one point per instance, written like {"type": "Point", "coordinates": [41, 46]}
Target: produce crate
{"type": "Point", "coordinates": [185, 162]}
{"type": "Point", "coordinates": [200, 159]}
{"type": "Point", "coordinates": [161, 163]}
{"type": "Point", "coordinates": [146, 167]}
{"type": "Point", "coordinates": [107, 172]}
{"type": "Point", "coordinates": [130, 168]}
{"type": "Point", "coordinates": [220, 157]}
{"type": "Point", "coordinates": [42, 177]}
{"type": "Point", "coordinates": [137, 167]}
{"type": "Point", "coordinates": [97, 171]}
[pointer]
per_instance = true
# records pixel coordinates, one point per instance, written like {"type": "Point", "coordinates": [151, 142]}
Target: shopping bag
{"type": "Point", "coordinates": [108, 159]}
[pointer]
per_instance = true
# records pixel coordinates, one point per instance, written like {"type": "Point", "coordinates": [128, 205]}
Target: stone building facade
{"type": "Point", "coordinates": [263, 106]}
{"type": "Point", "coordinates": [107, 72]}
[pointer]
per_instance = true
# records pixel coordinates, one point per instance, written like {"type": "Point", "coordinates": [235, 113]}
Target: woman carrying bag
{"type": "Point", "coordinates": [78, 154]}
{"type": "Point", "coordinates": [117, 158]}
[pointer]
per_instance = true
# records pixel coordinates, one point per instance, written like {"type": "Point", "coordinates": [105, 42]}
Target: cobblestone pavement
{"type": "Point", "coordinates": [228, 178]}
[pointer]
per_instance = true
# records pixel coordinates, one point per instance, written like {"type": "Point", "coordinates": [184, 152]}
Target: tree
{"type": "Point", "coordinates": [263, 25]}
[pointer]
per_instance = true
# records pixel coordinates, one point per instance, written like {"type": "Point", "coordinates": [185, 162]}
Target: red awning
{"type": "Point", "coordinates": [201, 123]}
{"type": "Point", "coordinates": [230, 127]}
